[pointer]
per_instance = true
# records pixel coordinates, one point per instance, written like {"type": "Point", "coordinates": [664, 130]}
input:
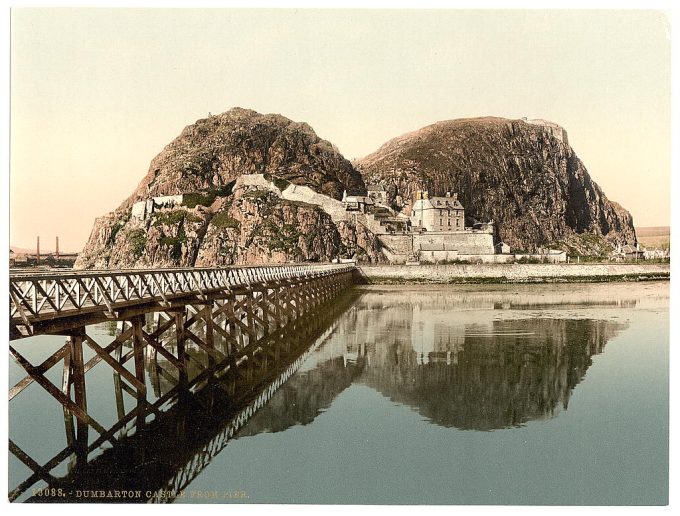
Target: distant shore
{"type": "Point", "coordinates": [513, 273]}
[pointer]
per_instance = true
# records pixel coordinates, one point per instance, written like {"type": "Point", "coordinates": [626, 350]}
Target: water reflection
{"type": "Point", "coordinates": [486, 377]}
{"type": "Point", "coordinates": [448, 359]}
{"type": "Point", "coordinates": [171, 447]}
{"type": "Point", "coordinates": [467, 360]}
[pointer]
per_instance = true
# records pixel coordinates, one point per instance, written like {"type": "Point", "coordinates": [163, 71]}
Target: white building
{"type": "Point", "coordinates": [143, 209]}
{"type": "Point", "coordinates": [437, 213]}
{"type": "Point", "coordinates": [378, 194]}
{"type": "Point", "coordinates": [361, 203]}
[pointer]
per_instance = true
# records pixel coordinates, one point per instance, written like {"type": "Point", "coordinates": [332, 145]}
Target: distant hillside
{"type": "Point", "coordinates": [21, 250]}
{"type": "Point", "coordinates": [654, 236]}
{"type": "Point", "coordinates": [521, 174]}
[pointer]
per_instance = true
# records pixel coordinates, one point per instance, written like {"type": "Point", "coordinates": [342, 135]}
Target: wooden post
{"type": "Point", "coordinates": [181, 343]}
{"type": "Point", "coordinates": [138, 346]}
{"type": "Point", "coordinates": [118, 389]}
{"type": "Point", "coordinates": [79, 391]}
{"type": "Point", "coordinates": [68, 417]}
{"type": "Point", "coordinates": [209, 332]}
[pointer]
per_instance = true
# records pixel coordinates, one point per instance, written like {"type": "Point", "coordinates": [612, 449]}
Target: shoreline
{"type": "Point", "coordinates": [510, 273]}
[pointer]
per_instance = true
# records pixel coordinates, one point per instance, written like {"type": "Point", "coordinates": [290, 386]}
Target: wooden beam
{"type": "Point", "coordinates": [114, 364]}
{"type": "Point", "coordinates": [54, 392]}
{"type": "Point", "coordinates": [47, 364]}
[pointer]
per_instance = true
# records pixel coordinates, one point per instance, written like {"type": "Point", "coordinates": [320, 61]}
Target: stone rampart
{"type": "Point", "coordinates": [335, 208]}
{"type": "Point", "coordinates": [465, 242]}
{"type": "Point", "coordinates": [510, 273]}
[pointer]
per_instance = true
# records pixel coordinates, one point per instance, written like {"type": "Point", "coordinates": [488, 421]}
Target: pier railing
{"type": "Point", "coordinates": [45, 296]}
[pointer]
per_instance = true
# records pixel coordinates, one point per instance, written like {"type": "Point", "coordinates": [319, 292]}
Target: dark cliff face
{"type": "Point", "coordinates": [523, 176]}
{"type": "Point", "coordinates": [214, 151]}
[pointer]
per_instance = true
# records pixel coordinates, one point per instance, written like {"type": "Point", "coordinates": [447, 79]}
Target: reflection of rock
{"type": "Point", "coordinates": [443, 356]}
{"type": "Point", "coordinates": [302, 398]}
{"type": "Point", "coordinates": [494, 377]}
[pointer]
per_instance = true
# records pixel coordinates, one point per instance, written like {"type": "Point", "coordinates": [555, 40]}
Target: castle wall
{"type": "Point", "coordinates": [465, 242]}
{"type": "Point", "coordinates": [510, 272]}
{"type": "Point", "coordinates": [335, 208]}
{"type": "Point", "coordinates": [557, 131]}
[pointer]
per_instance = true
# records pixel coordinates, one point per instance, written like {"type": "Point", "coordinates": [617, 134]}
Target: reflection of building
{"type": "Point", "coordinates": [486, 377]}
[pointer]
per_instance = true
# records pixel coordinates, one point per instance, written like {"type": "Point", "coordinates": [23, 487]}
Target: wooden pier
{"type": "Point", "coordinates": [192, 324]}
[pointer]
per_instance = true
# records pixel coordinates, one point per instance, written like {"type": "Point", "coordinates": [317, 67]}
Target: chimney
{"type": "Point", "coordinates": [57, 249]}
{"type": "Point", "coordinates": [37, 252]}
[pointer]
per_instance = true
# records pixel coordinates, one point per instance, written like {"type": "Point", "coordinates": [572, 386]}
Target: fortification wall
{"type": "Point", "coordinates": [556, 130]}
{"type": "Point", "coordinates": [298, 193]}
{"type": "Point", "coordinates": [509, 272]}
{"type": "Point", "coordinates": [465, 242]}
{"type": "Point", "coordinates": [335, 208]}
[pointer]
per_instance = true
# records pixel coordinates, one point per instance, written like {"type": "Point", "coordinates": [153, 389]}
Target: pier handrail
{"type": "Point", "coordinates": [37, 295]}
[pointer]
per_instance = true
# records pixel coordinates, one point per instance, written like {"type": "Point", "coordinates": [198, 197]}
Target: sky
{"type": "Point", "coordinates": [97, 93]}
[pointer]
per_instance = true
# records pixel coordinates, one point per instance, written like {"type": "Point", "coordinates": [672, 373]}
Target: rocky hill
{"type": "Point", "coordinates": [214, 151]}
{"type": "Point", "coordinates": [221, 222]}
{"type": "Point", "coordinates": [521, 174]}
{"type": "Point", "coordinates": [248, 192]}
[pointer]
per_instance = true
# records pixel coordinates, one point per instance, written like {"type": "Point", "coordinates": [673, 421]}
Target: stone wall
{"type": "Point", "coordinates": [335, 208]}
{"type": "Point", "coordinates": [556, 130]}
{"type": "Point", "coordinates": [444, 256]}
{"type": "Point", "coordinates": [297, 193]}
{"type": "Point", "coordinates": [465, 242]}
{"type": "Point", "coordinates": [512, 273]}
{"type": "Point", "coordinates": [143, 209]}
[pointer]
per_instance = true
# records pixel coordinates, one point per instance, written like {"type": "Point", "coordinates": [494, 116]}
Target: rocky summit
{"type": "Point", "coordinates": [216, 150]}
{"type": "Point", "coordinates": [247, 188]}
{"type": "Point", "coordinates": [191, 210]}
{"type": "Point", "coordinates": [522, 174]}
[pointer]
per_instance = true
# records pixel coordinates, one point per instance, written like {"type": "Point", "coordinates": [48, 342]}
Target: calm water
{"type": "Point", "coordinates": [541, 394]}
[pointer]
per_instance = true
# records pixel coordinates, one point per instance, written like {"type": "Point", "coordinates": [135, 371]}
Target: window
{"type": "Point", "coordinates": [457, 222]}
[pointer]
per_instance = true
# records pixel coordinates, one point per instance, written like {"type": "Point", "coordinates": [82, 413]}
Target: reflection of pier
{"type": "Point", "coordinates": [164, 455]}
{"type": "Point", "coordinates": [209, 324]}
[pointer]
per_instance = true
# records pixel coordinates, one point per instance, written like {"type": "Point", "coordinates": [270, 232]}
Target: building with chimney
{"type": "Point", "coordinates": [437, 213]}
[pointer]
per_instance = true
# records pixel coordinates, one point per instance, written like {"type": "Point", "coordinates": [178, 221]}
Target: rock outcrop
{"type": "Point", "coordinates": [216, 150]}
{"type": "Point", "coordinates": [521, 174]}
{"type": "Point", "coordinates": [246, 188]}
{"type": "Point", "coordinates": [222, 218]}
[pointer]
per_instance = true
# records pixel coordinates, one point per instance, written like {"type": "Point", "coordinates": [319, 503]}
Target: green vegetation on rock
{"type": "Point", "coordinates": [137, 240]}
{"type": "Point", "coordinates": [175, 243]}
{"type": "Point", "coordinates": [206, 197]}
{"type": "Point", "coordinates": [256, 194]}
{"type": "Point", "coordinates": [224, 220]}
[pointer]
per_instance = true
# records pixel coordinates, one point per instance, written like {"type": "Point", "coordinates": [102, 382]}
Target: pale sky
{"type": "Point", "coordinates": [96, 94]}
